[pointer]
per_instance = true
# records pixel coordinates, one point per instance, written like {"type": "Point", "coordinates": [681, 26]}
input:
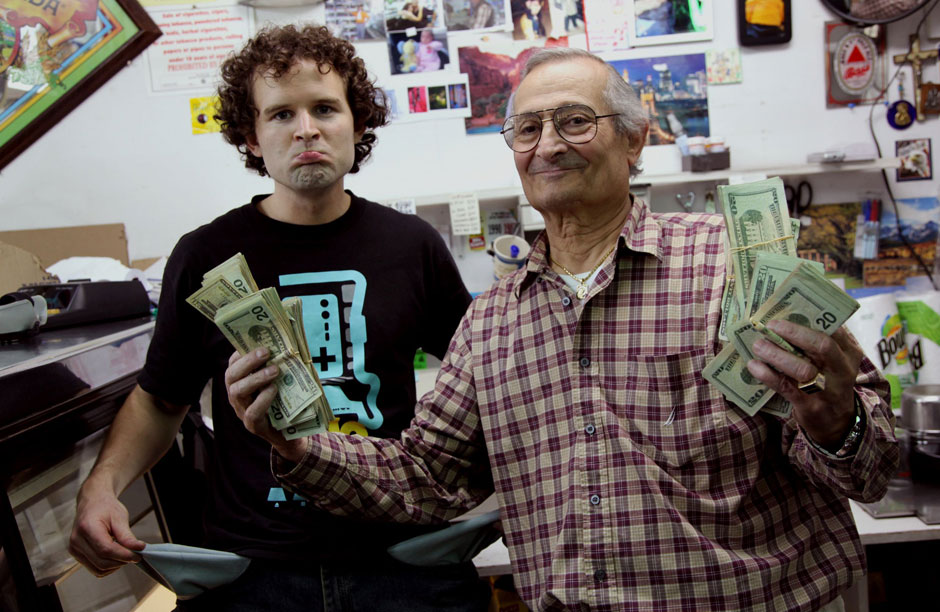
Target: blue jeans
{"type": "Point", "coordinates": [333, 587]}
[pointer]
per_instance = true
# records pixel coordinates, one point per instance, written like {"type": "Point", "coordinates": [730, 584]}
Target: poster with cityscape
{"type": "Point", "coordinates": [675, 86]}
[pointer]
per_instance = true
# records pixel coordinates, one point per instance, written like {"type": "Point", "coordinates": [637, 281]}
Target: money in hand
{"type": "Point", "coordinates": [251, 318]}
{"type": "Point", "coordinates": [805, 297]}
{"type": "Point", "coordinates": [757, 220]}
{"type": "Point", "coordinates": [229, 281]}
{"type": "Point", "coordinates": [767, 282]}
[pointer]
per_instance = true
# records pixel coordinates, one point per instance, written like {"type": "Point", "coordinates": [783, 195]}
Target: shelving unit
{"type": "Point", "coordinates": [678, 178]}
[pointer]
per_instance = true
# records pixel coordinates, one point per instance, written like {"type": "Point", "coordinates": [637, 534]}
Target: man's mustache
{"type": "Point", "coordinates": [568, 161]}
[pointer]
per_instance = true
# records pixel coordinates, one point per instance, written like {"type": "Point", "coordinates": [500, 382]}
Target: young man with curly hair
{"type": "Point", "coordinates": [376, 285]}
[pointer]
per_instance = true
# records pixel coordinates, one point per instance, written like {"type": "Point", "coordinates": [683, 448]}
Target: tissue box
{"type": "Point", "coordinates": [707, 162]}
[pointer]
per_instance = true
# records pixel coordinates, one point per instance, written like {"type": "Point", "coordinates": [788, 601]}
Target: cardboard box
{"type": "Point", "coordinates": [56, 243]}
{"type": "Point", "coordinates": [19, 267]}
{"type": "Point", "coordinates": [25, 254]}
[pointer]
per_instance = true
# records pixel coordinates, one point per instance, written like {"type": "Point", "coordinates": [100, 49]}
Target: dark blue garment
{"type": "Point", "coordinates": [346, 587]}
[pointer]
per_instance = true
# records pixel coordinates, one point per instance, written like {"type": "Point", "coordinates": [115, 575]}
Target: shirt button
{"type": "Point", "coordinates": [566, 301]}
{"type": "Point", "coordinates": [585, 362]}
{"type": "Point", "coordinates": [600, 575]}
{"type": "Point", "coordinates": [589, 430]}
{"type": "Point", "coordinates": [595, 499]}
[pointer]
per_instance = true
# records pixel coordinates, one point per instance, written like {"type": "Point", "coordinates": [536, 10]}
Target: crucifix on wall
{"type": "Point", "coordinates": [916, 57]}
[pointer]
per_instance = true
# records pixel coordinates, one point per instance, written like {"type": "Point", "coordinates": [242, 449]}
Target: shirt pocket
{"type": "Point", "coordinates": [670, 412]}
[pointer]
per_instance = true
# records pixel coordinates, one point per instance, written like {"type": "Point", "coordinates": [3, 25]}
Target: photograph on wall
{"type": "Point", "coordinates": [457, 95]}
{"type": "Point", "coordinates": [391, 102]}
{"type": "Point", "coordinates": [915, 158]}
{"type": "Point", "coordinates": [493, 71]}
{"type": "Point", "coordinates": [855, 65]}
{"type": "Point", "coordinates": [356, 20]}
{"type": "Point", "coordinates": [723, 66]}
{"type": "Point", "coordinates": [401, 15]}
{"type": "Point", "coordinates": [419, 51]}
{"type": "Point", "coordinates": [917, 221]}
{"type": "Point", "coordinates": [673, 90]}
{"type": "Point", "coordinates": [659, 22]}
{"type": "Point", "coordinates": [567, 17]}
{"type": "Point", "coordinates": [607, 25]}
{"type": "Point", "coordinates": [438, 96]}
{"type": "Point", "coordinates": [480, 15]}
{"type": "Point", "coordinates": [531, 19]}
{"type": "Point", "coordinates": [417, 99]}
{"type": "Point", "coordinates": [829, 238]}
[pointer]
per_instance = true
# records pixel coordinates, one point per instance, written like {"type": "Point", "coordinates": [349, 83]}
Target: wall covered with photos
{"type": "Point", "coordinates": [131, 152]}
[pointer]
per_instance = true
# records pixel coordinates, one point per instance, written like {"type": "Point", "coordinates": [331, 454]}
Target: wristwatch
{"type": "Point", "coordinates": [851, 440]}
{"type": "Point", "coordinates": [854, 437]}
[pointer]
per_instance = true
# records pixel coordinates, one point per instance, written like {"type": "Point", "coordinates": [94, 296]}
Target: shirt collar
{"type": "Point", "coordinates": [641, 233]}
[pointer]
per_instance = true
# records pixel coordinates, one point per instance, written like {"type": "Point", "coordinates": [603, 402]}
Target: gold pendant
{"type": "Point", "coordinates": [582, 291]}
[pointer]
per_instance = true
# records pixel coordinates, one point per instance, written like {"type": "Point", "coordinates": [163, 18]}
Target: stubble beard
{"type": "Point", "coordinates": [311, 176]}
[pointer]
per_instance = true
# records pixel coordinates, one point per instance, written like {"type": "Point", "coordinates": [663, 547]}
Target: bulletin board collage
{"type": "Point", "coordinates": [493, 38]}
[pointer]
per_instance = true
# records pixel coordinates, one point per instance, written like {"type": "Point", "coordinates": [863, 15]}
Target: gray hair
{"type": "Point", "coordinates": [632, 118]}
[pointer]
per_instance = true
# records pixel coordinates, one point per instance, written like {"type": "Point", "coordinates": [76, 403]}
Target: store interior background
{"type": "Point", "coordinates": [127, 155]}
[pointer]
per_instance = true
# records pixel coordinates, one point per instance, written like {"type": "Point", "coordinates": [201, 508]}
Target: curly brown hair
{"type": "Point", "coordinates": [275, 50]}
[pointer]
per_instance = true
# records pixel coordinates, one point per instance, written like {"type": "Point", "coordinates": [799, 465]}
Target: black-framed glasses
{"type": "Point", "coordinates": [575, 123]}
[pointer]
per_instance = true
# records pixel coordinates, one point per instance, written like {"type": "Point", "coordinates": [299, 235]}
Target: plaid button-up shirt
{"type": "Point", "coordinates": [625, 480]}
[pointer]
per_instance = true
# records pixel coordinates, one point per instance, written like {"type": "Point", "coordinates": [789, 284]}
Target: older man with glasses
{"type": "Point", "coordinates": [573, 389]}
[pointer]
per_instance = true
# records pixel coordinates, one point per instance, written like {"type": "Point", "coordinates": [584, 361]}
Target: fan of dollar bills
{"type": "Point", "coordinates": [766, 282]}
{"type": "Point", "coordinates": [251, 318]}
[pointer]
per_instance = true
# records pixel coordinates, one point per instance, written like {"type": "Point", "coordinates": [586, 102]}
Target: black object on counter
{"type": "Point", "coordinates": [79, 303]}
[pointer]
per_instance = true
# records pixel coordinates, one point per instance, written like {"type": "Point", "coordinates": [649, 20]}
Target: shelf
{"type": "Point", "coordinates": [515, 191]}
{"type": "Point", "coordinates": [795, 170]}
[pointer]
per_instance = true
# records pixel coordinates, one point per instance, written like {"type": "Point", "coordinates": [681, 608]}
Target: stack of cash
{"type": "Point", "coordinates": [766, 282]}
{"type": "Point", "coordinates": [251, 318]}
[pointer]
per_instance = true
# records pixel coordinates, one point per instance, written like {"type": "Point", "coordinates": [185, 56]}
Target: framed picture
{"type": "Point", "coordinates": [660, 22]}
{"type": "Point", "coordinates": [763, 22]}
{"type": "Point", "coordinates": [915, 158]}
{"type": "Point", "coordinates": [930, 98]}
{"type": "Point", "coordinates": [50, 61]}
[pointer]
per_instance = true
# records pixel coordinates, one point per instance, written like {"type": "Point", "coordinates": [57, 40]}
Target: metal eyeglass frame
{"type": "Point", "coordinates": [554, 121]}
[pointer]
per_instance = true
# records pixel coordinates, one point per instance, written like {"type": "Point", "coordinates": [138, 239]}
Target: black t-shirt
{"type": "Point", "coordinates": [376, 285]}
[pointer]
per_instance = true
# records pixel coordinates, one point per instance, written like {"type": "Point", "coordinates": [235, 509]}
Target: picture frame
{"type": "Point", "coordinates": [916, 161]}
{"type": "Point", "coordinates": [661, 22]}
{"type": "Point", "coordinates": [930, 96]}
{"type": "Point", "coordinates": [764, 24]}
{"type": "Point", "coordinates": [48, 66]}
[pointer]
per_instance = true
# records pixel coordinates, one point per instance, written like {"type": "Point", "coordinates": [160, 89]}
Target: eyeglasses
{"type": "Point", "coordinates": [575, 123]}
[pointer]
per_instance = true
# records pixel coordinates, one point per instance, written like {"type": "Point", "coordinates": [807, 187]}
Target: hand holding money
{"type": "Point", "coordinates": [257, 319]}
{"type": "Point", "coordinates": [251, 390]}
{"type": "Point", "coordinates": [827, 414]}
{"type": "Point", "coordinates": [768, 287]}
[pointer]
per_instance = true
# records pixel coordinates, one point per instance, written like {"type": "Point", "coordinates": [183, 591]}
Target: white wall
{"type": "Point", "coordinates": [126, 155]}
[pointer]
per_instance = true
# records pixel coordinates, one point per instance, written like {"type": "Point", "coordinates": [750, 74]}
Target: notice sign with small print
{"type": "Point", "coordinates": [194, 43]}
{"type": "Point", "coordinates": [464, 214]}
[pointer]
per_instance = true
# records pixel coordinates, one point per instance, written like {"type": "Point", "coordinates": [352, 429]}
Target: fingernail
{"type": "Point", "coordinates": [261, 352]}
{"type": "Point", "coordinates": [270, 371]}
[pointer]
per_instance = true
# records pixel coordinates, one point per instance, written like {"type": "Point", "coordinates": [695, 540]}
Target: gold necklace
{"type": "Point", "coordinates": [582, 288]}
